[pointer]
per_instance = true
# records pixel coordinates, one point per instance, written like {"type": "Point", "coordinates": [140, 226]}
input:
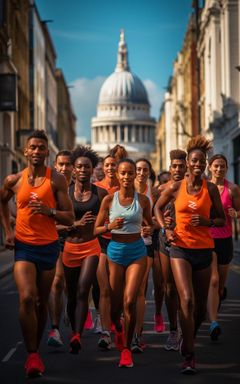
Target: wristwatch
{"type": "Point", "coordinates": [163, 231]}
{"type": "Point", "coordinates": [53, 212]}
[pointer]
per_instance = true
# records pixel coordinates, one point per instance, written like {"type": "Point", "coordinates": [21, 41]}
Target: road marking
{"type": "Point", "coordinates": [11, 352]}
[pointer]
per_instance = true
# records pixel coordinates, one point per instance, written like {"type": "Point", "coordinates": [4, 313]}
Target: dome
{"type": "Point", "coordinates": [122, 86]}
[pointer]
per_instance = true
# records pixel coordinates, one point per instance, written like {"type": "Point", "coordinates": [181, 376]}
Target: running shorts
{"type": "Point", "coordinates": [198, 258]}
{"type": "Point", "coordinates": [224, 250]}
{"type": "Point", "coordinates": [44, 256]}
{"type": "Point", "coordinates": [126, 253]}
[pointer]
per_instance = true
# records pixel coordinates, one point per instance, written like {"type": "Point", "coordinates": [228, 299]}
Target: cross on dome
{"type": "Point", "coordinates": [122, 62]}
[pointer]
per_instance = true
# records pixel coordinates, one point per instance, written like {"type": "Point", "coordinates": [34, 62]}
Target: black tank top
{"type": "Point", "coordinates": [80, 208]}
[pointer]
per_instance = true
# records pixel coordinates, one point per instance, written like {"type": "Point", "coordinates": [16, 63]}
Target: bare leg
{"type": "Point", "coordinates": [117, 281]}
{"type": "Point", "coordinates": [182, 272]}
{"type": "Point", "coordinates": [140, 306]}
{"type": "Point", "coordinates": [213, 293]}
{"type": "Point", "coordinates": [158, 283]}
{"type": "Point", "coordinates": [201, 280]}
{"type": "Point", "coordinates": [56, 295]}
{"type": "Point", "coordinates": [105, 302]}
{"type": "Point", "coordinates": [134, 276]}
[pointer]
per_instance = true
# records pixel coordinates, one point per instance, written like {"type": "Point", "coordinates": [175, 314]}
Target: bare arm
{"type": "Point", "coordinates": [103, 214]}
{"type": "Point", "coordinates": [6, 194]}
{"type": "Point", "coordinates": [166, 196]}
{"type": "Point", "coordinates": [234, 212]}
{"type": "Point", "coordinates": [217, 212]}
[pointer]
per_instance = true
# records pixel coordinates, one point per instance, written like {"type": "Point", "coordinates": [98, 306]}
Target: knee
{"type": "Point", "coordinates": [82, 294]}
{"type": "Point", "coordinates": [187, 303]}
{"type": "Point", "coordinates": [58, 285]}
{"type": "Point", "coordinates": [28, 300]}
{"type": "Point", "coordinates": [129, 304]}
{"type": "Point", "coordinates": [170, 291]}
{"type": "Point", "coordinates": [214, 282]}
{"type": "Point", "coordinates": [105, 293]}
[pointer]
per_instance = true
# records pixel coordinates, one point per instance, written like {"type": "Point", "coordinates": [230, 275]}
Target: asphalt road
{"type": "Point", "coordinates": [216, 362]}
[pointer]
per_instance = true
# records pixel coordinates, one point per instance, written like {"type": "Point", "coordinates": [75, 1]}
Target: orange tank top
{"type": "Point", "coordinates": [188, 236]}
{"type": "Point", "coordinates": [35, 229]}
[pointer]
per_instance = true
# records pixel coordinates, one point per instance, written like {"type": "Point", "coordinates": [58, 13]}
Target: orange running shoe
{"type": "Point", "coordinates": [126, 359]}
{"type": "Point", "coordinates": [159, 323]}
{"type": "Point", "coordinates": [34, 366]}
{"type": "Point", "coordinates": [75, 344]}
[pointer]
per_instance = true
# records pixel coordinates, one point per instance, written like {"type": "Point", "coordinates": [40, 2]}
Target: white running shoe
{"type": "Point", "coordinates": [97, 324]}
{"type": "Point", "coordinates": [172, 343]}
{"type": "Point", "coordinates": [54, 338]}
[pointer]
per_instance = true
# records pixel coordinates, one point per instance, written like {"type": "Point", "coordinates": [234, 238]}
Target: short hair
{"type": "Point", "coordinates": [146, 161]}
{"type": "Point", "coordinates": [118, 152]}
{"type": "Point", "coordinates": [217, 156]}
{"type": "Point", "coordinates": [84, 151]}
{"type": "Point", "coordinates": [200, 143]}
{"type": "Point", "coordinates": [127, 160]}
{"type": "Point", "coordinates": [64, 152]}
{"type": "Point", "coordinates": [177, 154]}
{"type": "Point", "coordinates": [38, 134]}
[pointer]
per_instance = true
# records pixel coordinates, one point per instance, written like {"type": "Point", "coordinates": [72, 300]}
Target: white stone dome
{"type": "Point", "coordinates": [122, 86]}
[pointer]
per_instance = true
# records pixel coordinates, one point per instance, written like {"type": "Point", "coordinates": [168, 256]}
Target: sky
{"type": "Point", "coordinates": [85, 35]}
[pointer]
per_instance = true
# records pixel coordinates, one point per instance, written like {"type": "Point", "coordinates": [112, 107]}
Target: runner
{"type": "Point", "coordinates": [144, 186]}
{"type": "Point", "coordinates": [223, 251]}
{"type": "Point", "coordinates": [81, 250]}
{"type": "Point", "coordinates": [64, 166]}
{"type": "Point", "coordinates": [177, 171]}
{"type": "Point", "coordinates": [126, 253]}
{"type": "Point", "coordinates": [111, 184]}
{"type": "Point", "coordinates": [197, 207]}
{"type": "Point", "coordinates": [41, 199]}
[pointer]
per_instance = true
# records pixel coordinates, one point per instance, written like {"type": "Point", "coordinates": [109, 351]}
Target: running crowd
{"type": "Point", "coordinates": [91, 227]}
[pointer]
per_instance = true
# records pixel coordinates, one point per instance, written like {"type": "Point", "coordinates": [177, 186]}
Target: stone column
{"type": "Point", "coordinates": [133, 129]}
{"type": "Point", "coordinates": [125, 134]}
{"type": "Point", "coordinates": [118, 133]}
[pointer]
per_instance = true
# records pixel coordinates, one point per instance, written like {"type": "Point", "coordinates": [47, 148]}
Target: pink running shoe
{"type": "Point", "coordinates": [75, 344]}
{"type": "Point", "coordinates": [126, 359]}
{"type": "Point", "coordinates": [189, 365]}
{"type": "Point", "coordinates": [89, 322]}
{"type": "Point", "coordinates": [34, 366]}
{"type": "Point", "coordinates": [159, 323]}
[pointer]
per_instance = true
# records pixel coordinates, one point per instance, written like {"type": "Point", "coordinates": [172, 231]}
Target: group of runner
{"type": "Point", "coordinates": [77, 235]}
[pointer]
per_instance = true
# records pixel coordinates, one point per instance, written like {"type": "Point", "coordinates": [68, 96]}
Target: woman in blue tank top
{"type": "Point", "coordinates": [127, 254]}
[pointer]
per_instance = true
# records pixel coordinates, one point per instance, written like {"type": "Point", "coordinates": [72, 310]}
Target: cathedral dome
{"type": "Point", "coordinates": [122, 86]}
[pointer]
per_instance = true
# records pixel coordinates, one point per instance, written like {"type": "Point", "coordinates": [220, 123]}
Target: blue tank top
{"type": "Point", "coordinates": [132, 215]}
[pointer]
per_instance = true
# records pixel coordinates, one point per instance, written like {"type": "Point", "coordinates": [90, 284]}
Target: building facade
{"type": "Point", "coordinates": [219, 53]}
{"type": "Point", "coordinates": [123, 112]}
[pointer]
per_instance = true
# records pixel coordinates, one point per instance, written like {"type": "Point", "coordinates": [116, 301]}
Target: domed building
{"type": "Point", "coordinates": [123, 112]}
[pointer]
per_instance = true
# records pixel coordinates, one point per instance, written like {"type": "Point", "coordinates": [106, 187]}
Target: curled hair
{"type": "Point", "coordinates": [38, 134]}
{"type": "Point", "coordinates": [64, 152]}
{"type": "Point", "coordinates": [118, 152]}
{"type": "Point", "coordinates": [177, 154]}
{"type": "Point", "coordinates": [200, 143]}
{"type": "Point", "coordinates": [146, 161]}
{"type": "Point", "coordinates": [217, 156]}
{"type": "Point", "coordinates": [85, 151]}
{"type": "Point", "coordinates": [129, 161]}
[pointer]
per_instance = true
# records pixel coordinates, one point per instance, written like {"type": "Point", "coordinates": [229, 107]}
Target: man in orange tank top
{"type": "Point", "coordinates": [42, 198]}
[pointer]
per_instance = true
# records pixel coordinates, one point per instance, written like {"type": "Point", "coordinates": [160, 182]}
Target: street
{"type": "Point", "coordinates": [216, 362]}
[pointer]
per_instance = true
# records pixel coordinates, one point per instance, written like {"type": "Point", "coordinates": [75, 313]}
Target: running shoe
{"type": "Point", "coordinates": [88, 323]}
{"type": "Point", "coordinates": [188, 366]}
{"type": "Point", "coordinates": [75, 344]}
{"type": "Point", "coordinates": [119, 340]}
{"type": "Point", "coordinates": [97, 324]}
{"type": "Point", "coordinates": [215, 331]}
{"type": "Point", "coordinates": [137, 345]}
{"type": "Point", "coordinates": [105, 341]}
{"type": "Point", "coordinates": [54, 338]}
{"type": "Point", "coordinates": [159, 323]}
{"type": "Point", "coordinates": [34, 366]}
{"type": "Point", "coordinates": [126, 359]}
{"type": "Point", "coordinates": [172, 343]}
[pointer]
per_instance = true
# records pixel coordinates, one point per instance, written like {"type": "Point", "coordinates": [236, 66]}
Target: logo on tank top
{"type": "Point", "coordinates": [192, 204]}
{"type": "Point", "coordinates": [33, 196]}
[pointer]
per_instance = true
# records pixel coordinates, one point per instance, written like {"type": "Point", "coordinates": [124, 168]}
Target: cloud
{"type": "Point", "coordinates": [155, 96]}
{"type": "Point", "coordinates": [84, 96]}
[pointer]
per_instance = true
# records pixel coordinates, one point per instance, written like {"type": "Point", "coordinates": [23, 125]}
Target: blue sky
{"type": "Point", "coordinates": [86, 35]}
